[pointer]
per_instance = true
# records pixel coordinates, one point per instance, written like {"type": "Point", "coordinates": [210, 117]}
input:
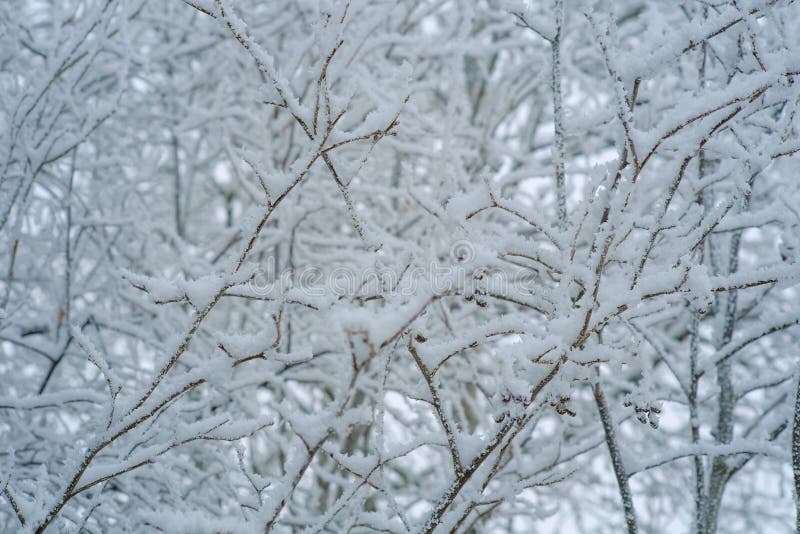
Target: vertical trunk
{"type": "Point", "coordinates": [616, 460]}
{"type": "Point", "coordinates": [724, 429]}
{"type": "Point", "coordinates": [177, 186]}
{"type": "Point", "coordinates": [694, 416]}
{"type": "Point", "coordinates": [796, 456]}
{"type": "Point", "coordinates": [694, 422]}
{"type": "Point", "coordinates": [558, 116]}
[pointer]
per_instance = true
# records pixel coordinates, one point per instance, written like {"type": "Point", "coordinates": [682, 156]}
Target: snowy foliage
{"type": "Point", "coordinates": [399, 266]}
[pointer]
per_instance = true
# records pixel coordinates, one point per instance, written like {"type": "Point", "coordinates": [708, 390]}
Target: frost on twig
{"type": "Point", "coordinates": [356, 266]}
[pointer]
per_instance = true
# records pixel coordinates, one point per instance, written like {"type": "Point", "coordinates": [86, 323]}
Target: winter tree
{"type": "Point", "coordinates": [419, 266]}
